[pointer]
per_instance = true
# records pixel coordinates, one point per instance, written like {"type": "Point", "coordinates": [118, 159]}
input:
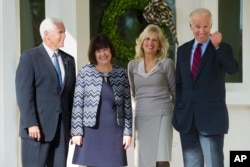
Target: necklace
{"type": "Point", "coordinates": [105, 71]}
{"type": "Point", "coordinates": [105, 74]}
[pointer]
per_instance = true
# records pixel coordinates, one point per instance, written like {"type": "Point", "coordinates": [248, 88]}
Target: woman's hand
{"type": "Point", "coordinates": [77, 140]}
{"type": "Point", "coordinates": [127, 141]}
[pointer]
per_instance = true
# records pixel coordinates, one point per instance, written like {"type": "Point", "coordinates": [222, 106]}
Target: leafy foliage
{"type": "Point", "coordinates": [110, 19]}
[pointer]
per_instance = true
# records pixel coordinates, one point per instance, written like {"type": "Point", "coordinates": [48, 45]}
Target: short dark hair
{"type": "Point", "coordinates": [97, 42]}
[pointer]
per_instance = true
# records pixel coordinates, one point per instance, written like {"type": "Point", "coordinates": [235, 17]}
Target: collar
{"type": "Point", "coordinates": [50, 51]}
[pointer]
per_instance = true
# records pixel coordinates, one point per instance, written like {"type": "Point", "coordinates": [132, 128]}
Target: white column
{"type": "Point", "coordinates": [9, 51]}
{"type": "Point", "coordinates": [75, 15]}
{"type": "Point", "coordinates": [83, 31]}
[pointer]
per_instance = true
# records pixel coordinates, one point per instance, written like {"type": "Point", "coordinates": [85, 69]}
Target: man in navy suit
{"type": "Point", "coordinates": [45, 102]}
{"type": "Point", "coordinates": [200, 113]}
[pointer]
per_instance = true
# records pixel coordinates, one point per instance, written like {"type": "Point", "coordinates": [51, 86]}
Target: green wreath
{"type": "Point", "coordinates": [109, 23]}
{"type": "Point", "coordinates": [160, 15]}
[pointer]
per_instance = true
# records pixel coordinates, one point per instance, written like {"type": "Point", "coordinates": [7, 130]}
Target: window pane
{"type": "Point", "coordinates": [32, 12]}
{"type": "Point", "coordinates": [230, 25]}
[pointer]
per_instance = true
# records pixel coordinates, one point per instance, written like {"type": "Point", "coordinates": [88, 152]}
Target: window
{"type": "Point", "coordinates": [32, 12]}
{"type": "Point", "coordinates": [129, 25]}
{"type": "Point", "coordinates": [230, 25]}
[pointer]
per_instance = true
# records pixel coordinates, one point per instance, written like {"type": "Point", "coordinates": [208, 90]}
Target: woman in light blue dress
{"type": "Point", "coordinates": [152, 81]}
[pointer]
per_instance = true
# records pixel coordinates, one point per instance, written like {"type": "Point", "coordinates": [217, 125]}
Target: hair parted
{"type": "Point", "coordinates": [200, 12]}
{"type": "Point", "coordinates": [97, 42]}
{"type": "Point", "coordinates": [163, 42]}
{"type": "Point", "coordinates": [48, 24]}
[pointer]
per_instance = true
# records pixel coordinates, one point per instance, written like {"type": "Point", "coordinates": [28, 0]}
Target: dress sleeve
{"type": "Point", "coordinates": [131, 65]}
{"type": "Point", "coordinates": [170, 74]}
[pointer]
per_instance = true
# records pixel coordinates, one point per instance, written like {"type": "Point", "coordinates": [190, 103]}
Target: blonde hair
{"type": "Point", "coordinates": [163, 42]}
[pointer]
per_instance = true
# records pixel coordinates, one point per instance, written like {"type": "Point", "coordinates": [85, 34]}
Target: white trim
{"type": "Point", "coordinates": [9, 49]}
{"type": "Point", "coordinates": [239, 93]}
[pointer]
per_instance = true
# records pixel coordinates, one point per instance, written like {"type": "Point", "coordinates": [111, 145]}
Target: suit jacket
{"type": "Point", "coordinates": [39, 97]}
{"type": "Point", "coordinates": [203, 100]}
{"type": "Point", "coordinates": [87, 98]}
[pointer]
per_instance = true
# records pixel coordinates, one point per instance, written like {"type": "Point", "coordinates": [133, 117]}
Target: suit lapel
{"type": "Point", "coordinates": [48, 64]}
{"type": "Point", "coordinates": [66, 68]}
{"type": "Point", "coordinates": [205, 57]}
{"type": "Point", "coordinates": [187, 66]}
{"type": "Point", "coordinates": [47, 60]}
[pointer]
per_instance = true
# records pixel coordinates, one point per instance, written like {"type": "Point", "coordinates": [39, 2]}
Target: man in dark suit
{"type": "Point", "coordinates": [200, 113]}
{"type": "Point", "coordinates": [45, 98]}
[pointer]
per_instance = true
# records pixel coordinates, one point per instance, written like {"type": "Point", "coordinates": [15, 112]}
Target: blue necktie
{"type": "Point", "coordinates": [57, 67]}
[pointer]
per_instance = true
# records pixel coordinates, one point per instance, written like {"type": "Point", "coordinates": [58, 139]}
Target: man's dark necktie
{"type": "Point", "coordinates": [57, 67]}
{"type": "Point", "coordinates": [196, 61]}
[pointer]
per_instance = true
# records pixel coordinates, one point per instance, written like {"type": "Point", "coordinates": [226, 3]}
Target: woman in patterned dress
{"type": "Point", "coordinates": [102, 114]}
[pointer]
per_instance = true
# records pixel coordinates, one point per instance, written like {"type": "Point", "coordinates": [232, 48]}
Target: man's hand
{"type": "Point", "coordinates": [34, 132]}
{"type": "Point", "coordinates": [216, 39]}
